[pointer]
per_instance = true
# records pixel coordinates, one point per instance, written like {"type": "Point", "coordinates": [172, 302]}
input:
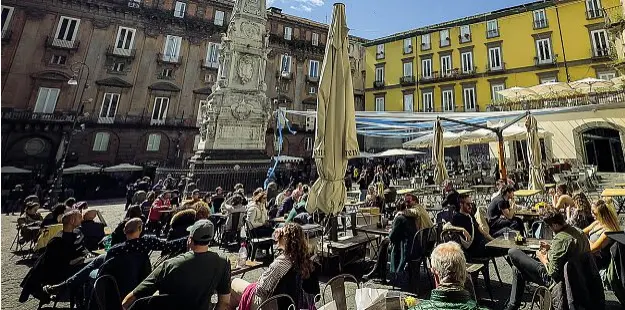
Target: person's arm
{"type": "Point", "coordinates": [555, 256]}
{"type": "Point", "coordinates": [271, 276]}
{"type": "Point", "coordinates": [560, 202]}
{"type": "Point", "coordinates": [504, 206]}
{"type": "Point", "coordinates": [588, 229]}
{"type": "Point", "coordinates": [251, 216]}
{"type": "Point", "coordinates": [599, 243]}
{"type": "Point", "coordinates": [146, 288]}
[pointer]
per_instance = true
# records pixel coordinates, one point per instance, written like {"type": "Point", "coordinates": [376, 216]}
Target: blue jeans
{"type": "Point", "coordinates": [363, 194]}
{"type": "Point", "coordinates": [90, 271]}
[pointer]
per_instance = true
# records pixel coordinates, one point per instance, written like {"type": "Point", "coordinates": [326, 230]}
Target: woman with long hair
{"type": "Point", "coordinates": [606, 221]}
{"type": "Point", "coordinates": [295, 256]}
{"type": "Point", "coordinates": [580, 214]}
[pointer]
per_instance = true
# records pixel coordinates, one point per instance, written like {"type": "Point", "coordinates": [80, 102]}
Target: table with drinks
{"type": "Point", "coordinates": [507, 242]}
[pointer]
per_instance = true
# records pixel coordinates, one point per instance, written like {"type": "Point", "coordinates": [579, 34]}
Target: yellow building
{"type": "Point", "coordinates": [461, 64]}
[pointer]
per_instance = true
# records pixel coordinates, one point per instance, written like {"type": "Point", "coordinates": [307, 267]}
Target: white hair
{"type": "Point", "coordinates": [449, 263]}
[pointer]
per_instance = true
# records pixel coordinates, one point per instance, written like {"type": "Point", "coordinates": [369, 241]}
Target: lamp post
{"type": "Point", "coordinates": [77, 69]}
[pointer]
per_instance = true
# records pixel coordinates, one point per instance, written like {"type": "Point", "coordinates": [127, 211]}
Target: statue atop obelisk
{"type": "Point", "coordinates": [234, 121]}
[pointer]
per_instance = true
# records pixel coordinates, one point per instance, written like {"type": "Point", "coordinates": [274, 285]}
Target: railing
{"type": "Point", "coordinates": [613, 16]}
{"type": "Point", "coordinates": [64, 44]}
{"type": "Point", "coordinates": [22, 115]}
{"type": "Point", "coordinates": [407, 80]}
{"type": "Point", "coordinates": [541, 23]}
{"type": "Point", "coordinates": [559, 102]}
{"type": "Point", "coordinates": [470, 72]}
{"type": "Point", "coordinates": [491, 33]}
{"type": "Point", "coordinates": [590, 14]}
{"type": "Point", "coordinates": [284, 75]}
{"type": "Point", "coordinates": [120, 52]}
{"type": "Point", "coordinates": [600, 52]}
{"type": "Point", "coordinates": [145, 120]}
{"type": "Point", "coordinates": [378, 84]}
{"type": "Point", "coordinates": [210, 64]}
{"type": "Point", "coordinates": [170, 59]}
{"type": "Point", "coordinates": [545, 62]}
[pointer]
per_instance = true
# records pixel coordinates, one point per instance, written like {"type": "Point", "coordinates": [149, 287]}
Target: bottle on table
{"type": "Point", "coordinates": [242, 259]}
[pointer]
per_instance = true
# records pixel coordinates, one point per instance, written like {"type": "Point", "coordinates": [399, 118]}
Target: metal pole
{"type": "Point", "coordinates": [502, 156]}
{"type": "Point", "coordinates": [566, 65]}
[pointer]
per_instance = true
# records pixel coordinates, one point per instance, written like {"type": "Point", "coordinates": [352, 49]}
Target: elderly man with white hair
{"type": "Point", "coordinates": [449, 269]}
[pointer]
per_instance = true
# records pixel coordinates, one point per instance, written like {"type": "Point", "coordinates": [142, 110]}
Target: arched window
{"type": "Point", "coordinates": [154, 142]}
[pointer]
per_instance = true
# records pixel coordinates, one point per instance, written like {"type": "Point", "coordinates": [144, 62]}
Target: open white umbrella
{"type": "Point", "coordinates": [288, 159]}
{"type": "Point", "coordinates": [536, 180]}
{"type": "Point", "coordinates": [552, 89]}
{"type": "Point", "coordinates": [438, 155]}
{"type": "Point", "coordinates": [397, 152]}
{"type": "Point", "coordinates": [13, 170]}
{"type": "Point", "coordinates": [81, 169]}
{"type": "Point", "coordinates": [518, 93]}
{"type": "Point", "coordinates": [125, 167]}
{"type": "Point", "coordinates": [587, 85]}
{"type": "Point", "coordinates": [335, 139]}
{"type": "Point", "coordinates": [618, 82]}
{"type": "Point", "coordinates": [365, 155]}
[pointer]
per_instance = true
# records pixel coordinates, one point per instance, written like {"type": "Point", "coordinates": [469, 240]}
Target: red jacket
{"type": "Point", "coordinates": [155, 211]}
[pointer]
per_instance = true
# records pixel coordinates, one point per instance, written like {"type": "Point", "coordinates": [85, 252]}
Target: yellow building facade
{"type": "Point", "coordinates": [460, 65]}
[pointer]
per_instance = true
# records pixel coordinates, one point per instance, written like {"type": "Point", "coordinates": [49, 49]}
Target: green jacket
{"type": "Point", "coordinates": [451, 298]}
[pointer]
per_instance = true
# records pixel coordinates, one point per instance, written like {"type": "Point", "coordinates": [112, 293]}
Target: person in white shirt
{"type": "Point", "coordinates": [257, 214]}
{"type": "Point", "coordinates": [235, 204]}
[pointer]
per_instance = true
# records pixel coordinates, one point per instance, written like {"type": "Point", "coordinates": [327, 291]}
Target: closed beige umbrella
{"type": "Point", "coordinates": [335, 140]}
{"type": "Point", "coordinates": [438, 155]}
{"type": "Point", "coordinates": [536, 180]}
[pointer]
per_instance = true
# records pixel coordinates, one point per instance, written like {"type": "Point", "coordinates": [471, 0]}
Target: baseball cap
{"type": "Point", "coordinates": [202, 231]}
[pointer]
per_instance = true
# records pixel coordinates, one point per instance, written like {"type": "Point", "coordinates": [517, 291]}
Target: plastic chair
{"type": "Point", "coordinates": [106, 294]}
{"type": "Point", "coordinates": [542, 299]}
{"type": "Point", "coordinates": [256, 243]}
{"type": "Point", "coordinates": [337, 284]}
{"type": "Point", "coordinates": [272, 303]}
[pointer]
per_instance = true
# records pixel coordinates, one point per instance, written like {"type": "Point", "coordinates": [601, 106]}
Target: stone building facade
{"type": "Point", "coordinates": [148, 66]}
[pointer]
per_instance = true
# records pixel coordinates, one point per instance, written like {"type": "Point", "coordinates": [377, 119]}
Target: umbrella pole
{"type": "Point", "coordinates": [334, 228]}
{"type": "Point", "coordinates": [502, 156]}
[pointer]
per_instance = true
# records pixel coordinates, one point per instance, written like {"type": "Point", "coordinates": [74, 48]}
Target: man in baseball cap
{"type": "Point", "coordinates": [201, 233]}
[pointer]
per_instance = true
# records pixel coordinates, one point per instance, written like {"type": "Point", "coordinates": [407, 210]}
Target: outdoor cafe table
{"type": "Point", "coordinates": [618, 194]}
{"type": "Point", "coordinates": [620, 185]}
{"type": "Point", "coordinates": [374, 230]}
{"type": "Point", "coordinates": [249, 266]}
{"type": "Point", "coordinates": [501, 243]}
{"type": "Point", "coordinates": [346, 249]}
{"type": "Point", "coordinates": [527, 195]}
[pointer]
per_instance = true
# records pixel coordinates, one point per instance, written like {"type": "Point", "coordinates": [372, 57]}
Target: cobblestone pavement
{"type": "Point", "coordinates": [13, 270]}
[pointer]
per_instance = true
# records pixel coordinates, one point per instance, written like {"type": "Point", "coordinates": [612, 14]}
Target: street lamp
{"type": "Point", "coordinates": [77, 69]}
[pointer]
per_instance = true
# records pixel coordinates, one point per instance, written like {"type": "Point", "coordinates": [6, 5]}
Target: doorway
{"type": "Point", "coordinates": [603, 148]}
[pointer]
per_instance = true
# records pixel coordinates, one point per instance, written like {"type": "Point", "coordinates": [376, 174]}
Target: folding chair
{"type": "Point", "coordinates": [256, 243]}
{"type": "Point", "coordinates": [232, 233]}
{"type": "Point", "coordinates": [272, 303]}
{"type": "Point", "coordinates": [105, 294]}
{"type": "Point", "coordinates": [542, 299]}
{"type": "Point", "coordinates": [337, 285]}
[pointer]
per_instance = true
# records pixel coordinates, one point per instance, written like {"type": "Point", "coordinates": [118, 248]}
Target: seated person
{"type": "Point", "coordinates": [451, 197]}
{"type": "Point", "coordinates": [373, 200]}
{"type": "Point", "coordinates": [135, 243]}
{"type": "Point", "coordinates": [118, 235]}
{"type": "Point", "coordinates": [295, 255]}
{"type": "Point", "coordinates": [194, 201]}
{"type": "Point", "coordinates": [174, 201]}
{"type": "Point", "coordinates": [54, 217]}
{"type": "Point", "coordinates": [178, 277]}
{"type": "Point", "coordinates": [448, 266]}
{"type": "Point", "coordinates": [500, 216]}
{"type": "Point", "coordinates": [62, 254]}
{"type": "Point", "coordinates": [299, 215]}
{"type": "Point", "coordinates": [257, 214]}
{"type": "Point", "coordinates": [561, 198]}
{"type": "Point", "coordinates": [474, 242]}
{"type": "Point", "coordinates": [31, 216]}
{"type": "Point", "coordinates": [567, 243]}
{"type": "Point", "coordinates": [217, 200]}
{"type": "Point", "coordinates": [70, 202]}
{"type": "Point", "coordinates": [202, 211]}
{"type": "Point", "coordinates": [417, 212]}
{"type": "Point", "coordinates": [607, 221]}
{"type": "Point", "coordinates": [154, 217]}
{"type": "Point", "coordinates": [92, 231]}
{"type": "Point", "coordinates": [500, 184]}
{"type": "Point", "coordinates": [234, 204]}
{"type": "Point", "coordinates": [179, 223]}
{"type": "Point", "coordinates": [146, 204]}
{"type": "Point", "coordinates": [580, 214]}
{"type": "Point", "coordinates": [288, 204]}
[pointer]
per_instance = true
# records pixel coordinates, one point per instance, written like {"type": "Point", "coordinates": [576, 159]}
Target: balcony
{"type": "Point", "coordinates": [285, 75]}
{"type": "Point", "coordinates": [545, 62]}
{"type": "Point", "coordinates": [600, 53]}
{"type": "Point", "coordinates": [441, 76]}
{"type": "Point", "coordinates": [52, 42]}
{"type": "Point", "coordinates": [499, 69]}
{"type": "Point", "coordinates": [168, 59]}
{"type": "Point", "coordinates": [407, 80]}
{"type": "Point", "coordinates": [6, 35]}
{"type": "Point", "coordinates": [469, 73]}
{"type": "Point", "coordinates": [312, 79]}
{"type": "Point", "coordinates": [210, 64]}
{"type": "Point", "coordinates": [492, 33]}
{"type": "Point", "coordinates": [10, 114]}
{"type": "Point", "coordinates": [541, 23]}
{"type": "Point", "coordinates": [142, 121]}
{"type": "Point", "coordinates": [613, 16]}
{"type": "Point", "coordinates": [120, 52]}
{"type": "Point", "coordinates": [592, 14]}
{"type": "Point", "coordinates": [378, 84]}
{"type": "Point", "coordinates": [617, 96]}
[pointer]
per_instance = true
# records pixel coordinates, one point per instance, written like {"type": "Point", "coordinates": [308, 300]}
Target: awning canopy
{"type": "Point", "coordinates": [288, 159]}
{"type": "Point", "coordinates": [397, 152]}
{"type": "Point", "coordinates": [125, 167]}
{"type": "Point", "coordinates": [14, 170]}
{"type": "Point", "coordinates": [78, 169]}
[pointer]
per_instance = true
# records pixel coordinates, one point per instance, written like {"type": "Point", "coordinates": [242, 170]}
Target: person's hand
{"type": "Point", "coordinates": [552, 192]}
{"type": "Point", "coordinates": [545, 246]}
{"type": "Point", "coordinates": [466, 235]}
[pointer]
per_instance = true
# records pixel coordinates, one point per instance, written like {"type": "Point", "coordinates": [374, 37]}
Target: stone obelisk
{"type": "Point", "coordinates": [234, 121]}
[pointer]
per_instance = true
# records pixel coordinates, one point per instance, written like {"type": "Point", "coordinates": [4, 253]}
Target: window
{"type": "Point", "coordinates": [446, 65]}
{"type": "Point", "coordinates": [407, 45]}
{"type": "Point", "coordinates": [465, 33]}
{"type": "Point", "coordinates": [448, 100]}
{"type": "Point", "coordinates": [7, 13]}
{"type": "Point", "coordinates": [379, 51]}
{"type": "Point", "coordinates": [212, 55]}
{"type": "Point", "coordinates": [167, 73]}
{"type": "Point", "coordinates": [379, 104]}
{"type": "Point", "coordinates": [180, 8]}
{"type": "Point", "coordinates": [315, 39]}
{"type": "Point", "coordinates": [118, 67]}
{"type": "Point", "coordinates": [288, 33]}
{"type": "Point", "coordinates": [600, 43]}
{"type": "Point", "coordinates": [425, 41]}
{"type": "Point", "coordinates": [548, 79]}
{"type": "Point", "coordinates": [428, 102]}
{"type": "Point", "coordinates": [540, 19]}
{"type": "Point", "coordinates": [426, 68]}
{"type": "Point", "coordinates": [379, 74]}
{"type": "Point", "coordinates": [160, 110]}
{"type": "Point", "coordinates": [110, 101]}
{"type": "Point", "coordinates": [172, 48]}
{"type": "Point", "coordinates": [310, 144]}
{"type": "Point", "coordinates": [408, 68]}
{"type": "Point", "coordinates": [469, 99]}
{"type": "Point", "coordinates": [310, 121]}
{"type": "Point", "coordinates": [312, 90]}
{"type": "Point", "coordinates": [46, 100]}
{"type": "Point", "coordinates": [58, 59]}
{"type": "Point", "coordinates": [154, 142]}
{"type": "Point", "coordinates": [492, 29]}
{"type": "Point", "coordinates": [543, 50]}
{"type": "Point", "coordinates": [606, 75]}
{"type": "Point", "coordinates": [313, 68]}
{"type": "Point", "coordinates": [285, 64]}
{"type": "Point", "coordinates": [101, 142]}
{"type": "Point", "coordinates": [408, 102]}
{"type": "Point", "coordinates": [66, 31]}
{"type": "Point", "coordinates": [495, 88]}
{"type": "Point", "coordinates": [444, 36]}
{"type": "Point", "coordinates": [593, 9]}
{"type": "Point", "coordinates": [494, 58]}
{"type": "Point", "coordinates": [467, 62]}
{"type": "Point", "coordinates": [219, 18]}
{"type": "Point", "coordinates": [125, 41]}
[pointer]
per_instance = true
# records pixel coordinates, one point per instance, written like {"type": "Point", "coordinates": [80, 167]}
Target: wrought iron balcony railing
{"type": "Point", "coordinates": [24, 115]}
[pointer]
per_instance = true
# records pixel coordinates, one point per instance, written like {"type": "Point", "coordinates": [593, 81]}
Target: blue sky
{"type": "Point", "coordinates": [377, 18]}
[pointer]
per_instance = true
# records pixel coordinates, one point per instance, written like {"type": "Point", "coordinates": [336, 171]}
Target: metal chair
{"type": "Point", "coordinates": [256, 243]}
{"type": "Point", "coordinates": [542, 299]}
{"type": "Point", "coordinates": [272, 303]}
{"type": "Point", "coordinates": [337, 284]}
{"type": "Point", "coordinates": [106, 294]}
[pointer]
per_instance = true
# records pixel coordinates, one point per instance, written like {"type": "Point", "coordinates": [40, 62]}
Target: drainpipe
{"type": "Point", "coordinates": [566, 65]}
